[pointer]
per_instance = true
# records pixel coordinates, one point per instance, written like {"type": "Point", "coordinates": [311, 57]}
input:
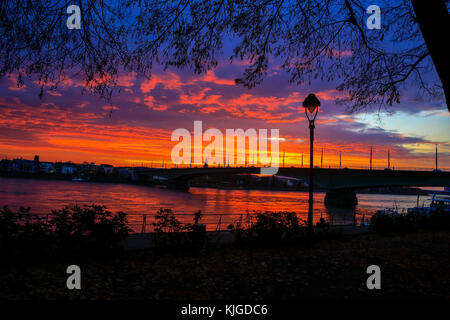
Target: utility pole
{"type": "Point", "coordinates": [389, 159]}
{"type": "Point", "coordinates": [340, 159]}
{"type": "Point", "coordinates": [370, 157]}
{"type": "Point", "coordinates": [321, 159]}
{"type": "Point", "coordinates": [436, 158]}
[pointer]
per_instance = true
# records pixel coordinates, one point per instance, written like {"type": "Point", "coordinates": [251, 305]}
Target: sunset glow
{"type": "Point", "coordinates": [134, 128]}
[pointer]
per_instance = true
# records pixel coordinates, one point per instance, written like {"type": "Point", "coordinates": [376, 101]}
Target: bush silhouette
{"type": "Point", "coordinates": [267, 226]}
{"type": "Point", "coordinates": [93, 227]}
{"type": "Point", "coordinates": [385, 223]}
{"type": "Point", "coordinates": [71, 229]}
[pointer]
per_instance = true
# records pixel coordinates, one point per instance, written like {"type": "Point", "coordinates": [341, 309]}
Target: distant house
{"type": "Point", "coordinates": [36, 167]}
{"type": "Point", "coordinates": [107, 169]}
{"type": "Point", "coordinates": [22, 165]}
{"type": "Point", "coordinates": [4, 164]}
{"type": "Point", "coordinates": [68, 168]}
{"type": "Point", "coordinates": [125, 172]}
{"type": "Point", "coordinates": [90, 169]}
{"type": "Point", "coordinates": [58, 165]}
{"type": "Point", "coordinates": [47, 167]}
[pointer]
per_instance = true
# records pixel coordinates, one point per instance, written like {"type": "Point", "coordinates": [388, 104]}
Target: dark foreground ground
{"type": "Point", "coordinates": [412, 266]}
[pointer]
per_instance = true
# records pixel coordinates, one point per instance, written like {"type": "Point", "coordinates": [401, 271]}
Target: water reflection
{"type": "Point", "coordinates": [43, 196]}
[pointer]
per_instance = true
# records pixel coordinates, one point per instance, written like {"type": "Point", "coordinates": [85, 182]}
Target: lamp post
{"type": "Point", "coordinates": [311, 105]}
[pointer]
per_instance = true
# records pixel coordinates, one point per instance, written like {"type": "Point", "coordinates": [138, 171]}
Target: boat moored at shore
{"type": "Point", "coordinates": [438, 203]}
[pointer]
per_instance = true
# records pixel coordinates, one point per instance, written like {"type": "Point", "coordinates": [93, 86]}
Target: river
{"type": "Point", "coordinates": [46, 195]}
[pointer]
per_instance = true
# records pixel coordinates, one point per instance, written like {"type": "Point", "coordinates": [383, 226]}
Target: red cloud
{"type": "Point", "coordinates": [210, 76]}
{"type": "Point", "coordinates": [169, 80]}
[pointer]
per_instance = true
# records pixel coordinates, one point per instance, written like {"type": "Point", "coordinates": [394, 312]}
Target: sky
{"type": "Point", "coordinates": [135, 128]}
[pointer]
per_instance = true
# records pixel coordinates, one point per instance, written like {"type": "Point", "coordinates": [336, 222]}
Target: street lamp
{"type": "Point", "coordinates": [311, 105]}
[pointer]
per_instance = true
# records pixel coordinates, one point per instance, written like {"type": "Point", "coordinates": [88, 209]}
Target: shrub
{"type": "Point", "coordinates": [71, 229]}
{"type": "Point", "coordinates": [322, 223]}
{"type": "Point", "coordinates": [168, 229]}
{"type": "Point", "coordinates": [440, 219]}
{"type": "Point", "coordinates": [22, 231]}
{"type": "Point", "coordinates": [267, 226]}
{"type": "Point", "coordinates": [383, 223]}
{"type": "Point", "coordinates": [271, 226]}
{"type": "Point", "coordinates": [166, 222]}
{"type": "Point", "coordinates": [92, 227]}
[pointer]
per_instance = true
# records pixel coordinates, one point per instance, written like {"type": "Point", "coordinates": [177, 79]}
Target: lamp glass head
{"type": "Point", "coordinates": [311, 103]}
{"type": "Point", "coordinates": [311, 109]}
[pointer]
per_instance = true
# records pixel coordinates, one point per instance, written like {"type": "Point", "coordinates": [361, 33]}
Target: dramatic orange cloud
{"type": "Point", "coordinates": [135, 127]}
{"type": "Point", "coordinates": [211, 77]}
{"type": "Point", "coordinates": [201, 98]}
{"type": "Point", "coordinates": [168, 80]}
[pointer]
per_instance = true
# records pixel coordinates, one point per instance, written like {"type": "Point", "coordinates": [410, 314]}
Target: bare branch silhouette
{"type": "Point", "coordinates": [309, 39]}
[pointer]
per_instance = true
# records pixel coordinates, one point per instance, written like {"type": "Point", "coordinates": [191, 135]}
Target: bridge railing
{"type": "Point", "coordinates": [317, 165]}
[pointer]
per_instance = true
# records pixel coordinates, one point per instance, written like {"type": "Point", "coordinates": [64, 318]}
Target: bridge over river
{"type": "Point", "coordinates": [340, 184]}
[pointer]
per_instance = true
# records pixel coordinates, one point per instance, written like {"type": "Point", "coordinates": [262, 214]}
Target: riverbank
{"type": "Point", "coordinates": [63, 177]}
{"type": "Point", "coordinates": [412, 266]}
{"type": "Point", "coordinates": [66, 177]}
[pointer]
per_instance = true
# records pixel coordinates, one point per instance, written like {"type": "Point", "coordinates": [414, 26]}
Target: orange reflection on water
{"type": "Point", "coordinates": [43, 196]}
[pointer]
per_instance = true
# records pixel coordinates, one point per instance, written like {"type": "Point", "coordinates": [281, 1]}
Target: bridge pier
{"type": "Point", "coordinates": [178, 185]}
{"type": "Point", "coordinates": [341, 198]}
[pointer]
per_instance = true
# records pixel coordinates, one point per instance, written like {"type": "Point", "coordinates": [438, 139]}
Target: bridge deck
{"type": "Point", "coordinates": [325, 178]}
